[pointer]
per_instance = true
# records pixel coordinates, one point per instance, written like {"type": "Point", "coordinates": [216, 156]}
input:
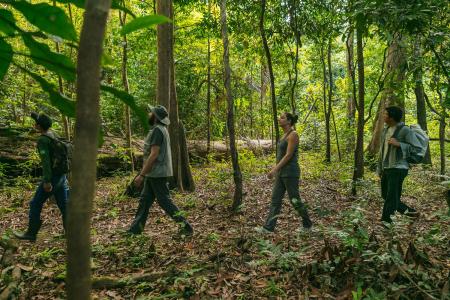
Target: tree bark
{"type": "Point", "coordinates": [419, 92]}
{"type": "Point", "coordinates": [296, 32]}
{"type": "Point", "coordinates": [358, 172]}
{"type": "Point", "coordinates": [328, 109]}
{"type": "Point", "coordinates": [393, 94]}
{"type": "Point", "coordinates": [164, 47]}
{"type": "Point", "coordinates": [122, 18]}
{"type": "Point", "coordinates": [208, 91]}
{"type": "Point", "coordinates": [262, 98]}
{"type": "Point", "coordinates": [351, 83]}
{"type": "Point", "coordinates": [237, 199]}
{"type": "Point", "coordinates": [85, 154]}
{"type": "Point", "coordinates": [271, 75]}
{"type": "Point", "coordinates": [442, 125]}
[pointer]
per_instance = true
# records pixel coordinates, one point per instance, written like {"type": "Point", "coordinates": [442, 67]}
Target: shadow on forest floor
{"type": "Point", "coordinates": [348, 255]}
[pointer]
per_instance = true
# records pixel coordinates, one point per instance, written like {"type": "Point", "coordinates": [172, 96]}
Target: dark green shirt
{"type": "Point", "coordinates": [44, 151]}
{"type": "Point", "coordinates": [291, 168]}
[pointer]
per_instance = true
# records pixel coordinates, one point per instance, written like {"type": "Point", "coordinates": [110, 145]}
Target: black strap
{"type": "Point", "coordinates": [289, 132]}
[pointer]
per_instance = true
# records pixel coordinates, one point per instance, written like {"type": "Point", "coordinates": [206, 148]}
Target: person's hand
{"type": "Point", "coordinates": [394, 142]}
{"type": "Point", "coordinates": [272, 173]}
{"type": "Point", "coordinates": [48, 187]}
{"type": "Point", "coordinates": [138, 181]}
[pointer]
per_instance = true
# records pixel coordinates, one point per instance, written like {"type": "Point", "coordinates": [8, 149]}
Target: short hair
{"type": "Point", "coordinates": [395, 113]}
{"type": "Point", "coordinates": [291, 118]}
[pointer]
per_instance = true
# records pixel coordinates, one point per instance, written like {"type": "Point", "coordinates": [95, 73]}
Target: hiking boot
{"type": "Point", "coordinates": [307, 223]}
{"type": "Point", "coordinates": [412, 213]}
{"type": "Point", "coordinates": [187, 229]}
{"type": "Point", "coordinates": [263, 230]}
{"type": "Point", "coordinates": [31, 233]}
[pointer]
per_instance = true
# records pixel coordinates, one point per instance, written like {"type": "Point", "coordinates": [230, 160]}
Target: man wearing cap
{"type": "Point", "coordinates": [155, 171]}
{"type": "Point", "coordinates": [52, 184]}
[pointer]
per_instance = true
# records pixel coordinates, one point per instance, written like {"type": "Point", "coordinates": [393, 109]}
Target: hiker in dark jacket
{"type": "Point", "coordinates": [287, 175]}
{"type": "Point", "coordinates": [155, 172]}
{"type": "Point", "coordinates": [397, 143]}
{"type": "Point", "coordinates": [52, 184]}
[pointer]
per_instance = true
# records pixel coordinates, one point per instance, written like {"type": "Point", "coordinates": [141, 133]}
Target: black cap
{"type": "Point", "coordinates": [42, 120]}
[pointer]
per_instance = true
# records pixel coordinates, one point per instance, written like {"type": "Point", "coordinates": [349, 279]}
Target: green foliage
{"type": "Point", "coordinates": [6, 56]}
{"type": "Point", "coordinates": [143, 22]}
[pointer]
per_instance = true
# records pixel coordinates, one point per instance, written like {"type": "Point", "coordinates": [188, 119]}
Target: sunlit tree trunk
{"type": "Point", "coordinates": [351, 99]}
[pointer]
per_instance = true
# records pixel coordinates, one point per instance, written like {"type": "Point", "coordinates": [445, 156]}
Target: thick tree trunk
{"type": "Point", "coordinates": [358, 172]}
{"type": "Point", "coordinates": [122, 18]}
{"type": "Point", "coordinates": [419, 92]}
{"type": "Point", "coordinates": [237, 199]}
{"type": "Point", "coordinates": [85, 154]}
{"type": "Point", "coordinates": [271, 75]}
{"type": "Point", "coordinates": [393, 94]}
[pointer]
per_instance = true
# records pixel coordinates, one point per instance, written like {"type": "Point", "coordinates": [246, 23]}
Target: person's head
{"type": "Point", "coordinates": [287, 119]}
{"type": "Point", "coordinates": [158, 114]}
{"type": "Point", "coordinates": [393, 115]}
{"type": "Point", "coordinates": [42, 121]}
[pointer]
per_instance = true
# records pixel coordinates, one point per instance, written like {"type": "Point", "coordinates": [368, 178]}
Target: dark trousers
{"type": "Point", "coordinates": [155, 188]}
{"type": "Point", "coordinates": [281, 185]}
{"type": "Point", "coordinates": [60, 191]}
{"type": "Point", "coordinates": [391, 191]}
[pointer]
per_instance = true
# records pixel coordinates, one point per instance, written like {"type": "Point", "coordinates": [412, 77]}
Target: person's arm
{"type": "Point", "coordinates": [292, 143]}
{"type": "Point", "coordinates": [410, 144]}
{"type": "Point", "coordinates": [44, 154]}
{"type": "Point", "coordinates": [156, 141]}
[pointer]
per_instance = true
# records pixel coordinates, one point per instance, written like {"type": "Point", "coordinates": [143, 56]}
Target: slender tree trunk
{"type": "Point", "coordinates": [237, 199]}
{"type": "Point", "coordinates": [85, 154]}
{"type": "Point", "coordinates": [61, 90]}
{"type": "Point", "coordinates": [330, 97]}
{"type": "Point", "coordinates": [262, 98]}
{"type": "Point", "coordinates": [271, 75]}
{"type": "Point", "coordinates": [336, 135]}
{"type": "Point", "coordinates": [393, 94]}
{"type": "Point", "coordinates": [420, 97]}
{"type": "Point", "coordinates": [442, 125]}
{"type": "Point", "coordinates": [163, 40]}
{"type": "Point", "coordinates": [358, 172]}
{"type": "Point", "coordinates": [208, 91]}
{"type": "Point", "coordinates": [293, 18]}
{"type": "Point", "coordinates": [351, 83]}
{"type": "Point", "coordinates": [123, 18]}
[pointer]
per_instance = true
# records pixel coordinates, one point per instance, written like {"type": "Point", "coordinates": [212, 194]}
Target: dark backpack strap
{"type": "Point", "coordinates": [397, 131]}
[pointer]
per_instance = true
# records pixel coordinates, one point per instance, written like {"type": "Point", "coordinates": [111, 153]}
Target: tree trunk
{"type": "Point", "coordinates": [328, 109]}
{"type": "Point", "coordinates": [237, 199]}
{"type": "Point", "coordinates": [295, 31]}
{"type": "Point", "coordinates": [122, 18]}
{"type": "Point", "coordinates": [271, 76]}
{"type": "Point", "coordinates": [85, 154]}
{"type": "Point", "coordinates": [393, 94]}
{"type": "Point", "coordinates": [442, 126]}
{"type": "Point", "coordinates": [262, 98]}
{"type": "Point", "coordinates": [351, 100]}
{"type": "Point", "coordinates": [163, 40]}
{"type": "Point", "coordinates": [358, 172]}
{"type": "Point", "coordinates": [208, 91]}
{"type": "Point", "coordinates": [64, 119]}
{"type": "Point", "coordinates": [420, 97]}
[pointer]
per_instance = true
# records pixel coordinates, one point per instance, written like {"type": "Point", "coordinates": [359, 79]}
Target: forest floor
{"type": "Point", "coordinates": [348, 255]}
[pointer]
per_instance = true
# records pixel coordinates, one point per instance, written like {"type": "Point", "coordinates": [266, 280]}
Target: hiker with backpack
{"type": "Point", "coordinates": [401, 146]}
{"type": "Point", "coordinates": [54, 160]}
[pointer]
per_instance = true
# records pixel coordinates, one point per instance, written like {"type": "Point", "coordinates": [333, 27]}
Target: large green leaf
{"type": "Point", "coordinates": [6, 55]}
{"type": "Point", "coordinates": [7, 22]}
{"type": "Point", "coordinates": [130, 101]}
{"type": "Point", "coordinates": [48, 18]}
{"type": "Point", "coordinates": [64, 104]}
{"type": "Point", "coordinates": [143, 22]}
{"type": "Point", "coordinates": [42, 55]}
{"type": "Point", "coordinates": [115, 4]}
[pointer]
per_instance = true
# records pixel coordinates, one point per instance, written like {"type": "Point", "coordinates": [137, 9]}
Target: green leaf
{"type": "Point", "coordinates": [130, 101]}
{"type": "Point", "coordinates": [42, 55]}
{"type": "Point", "coordinates": [143, 22]}
{"type": "Point", "coordinates": [7, 22]}
{"type": "Point", "coordinates": [115, 4]}
{"type": "Point", "coordinates": [64, 104]}
{"type": "Point", "coordinates": [48, 18]}
{"type": "Point", "coordinates": [6, 55]}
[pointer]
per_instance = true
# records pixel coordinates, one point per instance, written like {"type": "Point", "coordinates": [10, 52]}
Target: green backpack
{"type": "Point", "coordinates": [60, 155]}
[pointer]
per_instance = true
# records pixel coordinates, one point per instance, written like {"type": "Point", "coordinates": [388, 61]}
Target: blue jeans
{"type": "Point", "coordinates": [60, 191]}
